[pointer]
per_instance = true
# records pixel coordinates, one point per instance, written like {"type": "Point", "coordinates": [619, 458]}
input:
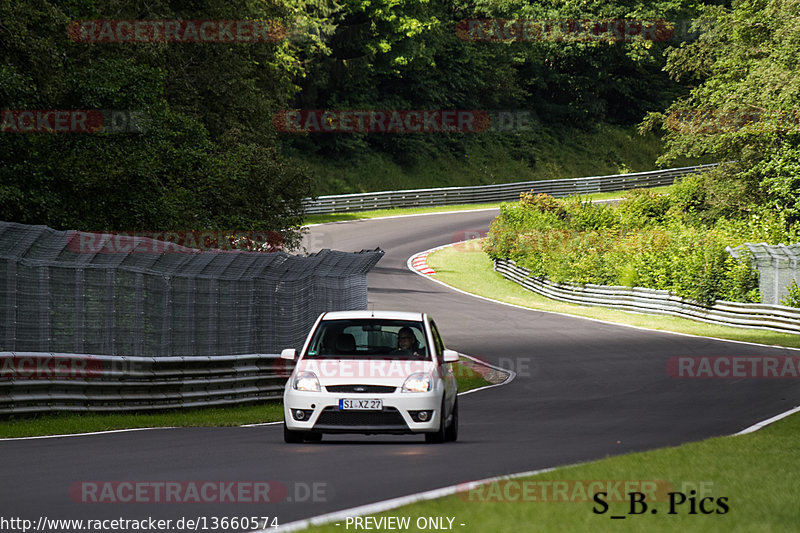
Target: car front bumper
{"type": "Point", "coordinates": [322, 413]}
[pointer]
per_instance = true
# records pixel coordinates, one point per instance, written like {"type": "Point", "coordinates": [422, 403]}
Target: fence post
{"type": "Point", "coordinates": [10, 315]}
{"type": "Point", "coordinates": [79, 335]}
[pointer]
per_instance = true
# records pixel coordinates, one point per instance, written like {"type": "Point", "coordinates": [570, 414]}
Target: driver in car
{"type": "Point", "coordinates": [407, 343]}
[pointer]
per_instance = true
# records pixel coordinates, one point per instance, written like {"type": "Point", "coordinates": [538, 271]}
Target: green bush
{"type": "Point", "coordinates": [636, 243]}
{"type": "Point", "coordinates": [642, 208]}
{"type": "Point", "coordinates": [584, 215]}
{"type": "Point", "coordinates": [793, 298]}
{"type": "Point", "coordinates": [543, 203]}
{"type": "Point", "coordinates": [688, 197]}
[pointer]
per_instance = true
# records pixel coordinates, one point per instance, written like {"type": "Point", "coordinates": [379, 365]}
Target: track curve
{"type": "Point", "coordinates": [584, 390]}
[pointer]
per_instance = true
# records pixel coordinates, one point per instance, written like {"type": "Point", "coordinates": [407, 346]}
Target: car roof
{"type": "Point", "coordinates": [382, 315]}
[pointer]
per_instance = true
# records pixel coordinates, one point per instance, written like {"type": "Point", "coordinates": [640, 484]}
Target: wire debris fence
{"type": "Point", "coordinates": [56, 297]}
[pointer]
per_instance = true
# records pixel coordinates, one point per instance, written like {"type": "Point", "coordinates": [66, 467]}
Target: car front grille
{"type": "Point", "coordinates": [389, 418]}
{"type": "Point", "coordinates": [361, 389]}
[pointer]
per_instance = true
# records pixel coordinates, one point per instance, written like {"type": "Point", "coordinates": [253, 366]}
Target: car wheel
{"type": "Point", "coordinates": [451, 433]}
{"type": "Point", "coordinates": [292, 437]}
{"type": "Point", "coordinates": [439, 435]}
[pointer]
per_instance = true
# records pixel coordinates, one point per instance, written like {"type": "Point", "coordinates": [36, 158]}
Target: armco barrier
{"type": "Point", "coordinates": [505, 192]}
{"type": "Point", "coordinates": [641, 300]}
{"type": "Point", "coordinates": [33, 382]}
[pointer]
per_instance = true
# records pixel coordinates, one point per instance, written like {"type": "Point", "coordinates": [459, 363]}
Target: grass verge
{"type": "Point", "coordinates": [471, 375]}
{"type": "Point", "coordinates": [67, 423]}
{"type": "Point", "coordinates": [468, 374]}
{"type": "Point", "coordinates": [756, 473]}
{"type": "Point", "coordinates": [466, 267]}
{"type": "Point", "coordinates": [381, 213]}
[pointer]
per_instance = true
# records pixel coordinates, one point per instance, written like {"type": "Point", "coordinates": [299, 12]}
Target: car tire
{"type": "Point", "coordinates": [292, 437]}
{"type": "Point", "coordinates": [451, 433]}
{"type": "Point", "coordinates": [439, 436]}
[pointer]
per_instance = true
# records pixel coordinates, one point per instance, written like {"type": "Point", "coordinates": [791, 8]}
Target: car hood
{"type": "Point", "coordinates": [360, 371]}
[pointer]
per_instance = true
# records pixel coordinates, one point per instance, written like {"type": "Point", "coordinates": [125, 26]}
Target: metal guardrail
{"type": "Point", "coordinates": [504, 192]}
{"type": "Point", "coordinates": [34, 382]}
{"type": "Point", "coordinates": [642, 300]}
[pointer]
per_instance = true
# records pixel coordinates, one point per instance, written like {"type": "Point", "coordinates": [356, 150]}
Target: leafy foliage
{"type": "Point", "coordinates": [211, 158]}
{"type": "Point", "coordinates": [793, 297]}
{"type": "Point", "coordinates": [743, 110]}
{"type": "Point", "coordinates": [390, 54]}
{"type": "Point", "coordinates": [205, 158]}
{"type": "Point", "coordinates": [645, 241]}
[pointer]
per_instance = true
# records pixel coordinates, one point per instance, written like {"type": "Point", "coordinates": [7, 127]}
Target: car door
{"type": "Point", "coordinates": [450, 385]}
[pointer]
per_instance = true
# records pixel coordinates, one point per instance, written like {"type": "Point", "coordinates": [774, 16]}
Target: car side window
{"type": "Point", "coordinates": [437, 341]}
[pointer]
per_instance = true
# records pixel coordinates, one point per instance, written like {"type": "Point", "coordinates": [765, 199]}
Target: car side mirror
{"type": "Point", "coordinates": [450, 356]}
{"type": "Point", "coordinates": [289, 354]}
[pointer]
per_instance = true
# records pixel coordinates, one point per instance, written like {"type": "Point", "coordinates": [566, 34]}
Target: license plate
{"type": "Point", "coordinates": [360, 405]}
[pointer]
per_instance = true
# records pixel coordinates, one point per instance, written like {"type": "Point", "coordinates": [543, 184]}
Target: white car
{"type": "Point", "coordinates": [371, 372]}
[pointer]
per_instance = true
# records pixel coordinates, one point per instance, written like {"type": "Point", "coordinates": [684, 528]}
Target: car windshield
{"type": "Point", "coordinates": [368, 338]}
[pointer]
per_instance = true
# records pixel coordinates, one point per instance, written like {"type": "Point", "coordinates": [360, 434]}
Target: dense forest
{"type": "Point", "coordinates": [188, 131]}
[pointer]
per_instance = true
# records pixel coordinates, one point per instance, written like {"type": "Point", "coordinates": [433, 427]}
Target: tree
{"type": "Point", "coordinates": [743, 108]}
{"type": "Point", "coordinates": [202, 155]}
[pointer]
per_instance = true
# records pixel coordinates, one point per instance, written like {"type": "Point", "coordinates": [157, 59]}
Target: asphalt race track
{"type": "Point", "coordinates": [584, 390]}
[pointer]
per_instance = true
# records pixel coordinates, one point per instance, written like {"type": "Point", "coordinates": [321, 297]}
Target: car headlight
{"type": "Point", "coordinates": [306, 381]}
{"type": "Point", "coordinates": [419, 382]}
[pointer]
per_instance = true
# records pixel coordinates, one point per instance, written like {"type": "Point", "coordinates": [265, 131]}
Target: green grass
{"type": "Point", "coordinates": [468, 375]}
{"type": "Point", "coordinates": [68, 423]}
{"type": "Point", "coordinates": [379, 213]}
{"type": "Point", "coordinates": [757, 473]}
{"type": "Point", "coordinates": [466, 267]}
{"type": "Point", "coordinates": [487, 159]}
